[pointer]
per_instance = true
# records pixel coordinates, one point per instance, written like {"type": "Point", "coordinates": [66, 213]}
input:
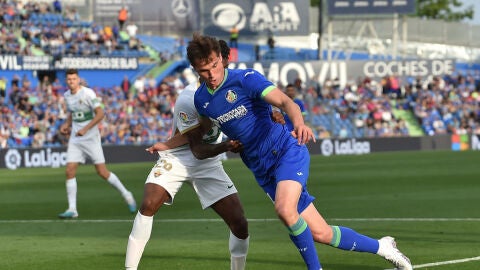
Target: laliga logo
{"type": "Point", "coordinates": [344, 147]}
{"type": "Point", "coordinates": [13, 159]}
{"type": "Point", "coordinates": [181, 8]}
{"type": "Point", "coordinates": [227, 15]}
{"type": "Point", "coordinates": [327, 147]}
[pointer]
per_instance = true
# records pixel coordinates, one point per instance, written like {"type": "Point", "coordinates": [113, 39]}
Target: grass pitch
{"type": "Point", "coordinates": [427, 200]}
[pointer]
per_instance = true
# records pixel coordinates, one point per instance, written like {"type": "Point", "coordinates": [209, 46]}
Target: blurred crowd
{"type": "Point", "coordinates": [140, 111]}
{"type": "Point", "coordinates": [136, 112]}
{"type": "Point", "coordinates": [40, 28]}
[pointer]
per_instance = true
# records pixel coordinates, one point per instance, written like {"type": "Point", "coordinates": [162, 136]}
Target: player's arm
{"type": "Point", "coordinates": [279, 99]}
{"type": "Point", "coordinates": [99, 114]}
{"type": "Point", "coordinates": [203, 150]}
{"type": "Point", "coordinates": [176, 141]}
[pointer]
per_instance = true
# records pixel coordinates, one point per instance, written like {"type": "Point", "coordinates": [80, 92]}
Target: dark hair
{"type": "Point", "coordinates": [71, 71]}
{"type": "Point", "coordinates": [200, 48]}
{"type": "Point", "coordinates": [289, 85]}
{"type": "Point", "coordinates": [224, 49]}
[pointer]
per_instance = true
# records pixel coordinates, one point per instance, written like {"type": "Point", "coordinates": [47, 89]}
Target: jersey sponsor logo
{"type": "Point", "coordinates": [231, 96]}
{"type": "Point", "coordinates": [206, 105]}
{"type": "Point", "coordinates": [236, 113]}
{"type": "Point", "coordinates": [230, 186]}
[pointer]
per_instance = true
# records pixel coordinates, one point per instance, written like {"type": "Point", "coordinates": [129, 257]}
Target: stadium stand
{"type": "Point", "coordinates": [31, 111]}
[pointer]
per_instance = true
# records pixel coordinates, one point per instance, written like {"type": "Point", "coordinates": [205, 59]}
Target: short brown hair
{"type": "Point", "coordinates": [200, 48]}
{"type": "Point", "coordinates": [71, 71]}
{"type": "Point", "coordinates": [225, 50]}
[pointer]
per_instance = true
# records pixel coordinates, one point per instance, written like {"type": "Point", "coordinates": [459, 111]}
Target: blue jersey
{"type": "Point", "coordinates": [239, 109]}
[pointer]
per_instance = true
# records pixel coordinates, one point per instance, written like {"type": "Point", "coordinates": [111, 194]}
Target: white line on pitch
{"type": "Point", "coordinates": [220, 220]}
{"type": "Point", "coordinates": [445, 262]}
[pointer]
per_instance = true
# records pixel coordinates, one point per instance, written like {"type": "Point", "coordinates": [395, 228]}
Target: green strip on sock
{"type": "Point", "coordinates": [298, 227]}
{"type": "Point", "coordinates": [337, 235]}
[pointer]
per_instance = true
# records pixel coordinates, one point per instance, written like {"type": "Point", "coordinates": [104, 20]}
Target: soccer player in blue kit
{"type": "Point", "coordinates": [239, 102]}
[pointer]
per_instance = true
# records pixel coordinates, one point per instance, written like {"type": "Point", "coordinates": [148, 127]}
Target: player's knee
{"type": "Point", "coordinates": [70, 172]}
{"type": "Point", "coordinates": [240, 228]}
{"type": "Point", "coordinates": [150, 206]}
{"type": "Point", "coordinates": [103, 172]}
{"type": "Point", "coordinates": [286, 214]}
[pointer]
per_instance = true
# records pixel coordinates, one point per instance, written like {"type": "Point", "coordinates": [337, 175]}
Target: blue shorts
{"type": "Point", "coordinates": [292, 164]}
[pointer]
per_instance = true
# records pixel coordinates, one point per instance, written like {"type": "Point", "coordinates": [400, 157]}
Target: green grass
{"type": "Point", "coordinates": [400, 194]}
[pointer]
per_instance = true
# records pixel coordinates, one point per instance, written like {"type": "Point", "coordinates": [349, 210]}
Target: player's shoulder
{"type": "Point", "coordinates": [88, 91]}
{"type": "Point", "coordinates": [186, 95]}
{"type": "Point", "coordinates": [242, 72]}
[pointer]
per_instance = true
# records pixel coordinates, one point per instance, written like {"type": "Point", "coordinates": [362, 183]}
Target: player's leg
{"type": "Point", "coordinates": [347, 239]}
{"type": "Point", "coordinates": [231, 211]}
{"type": "Point", "coordinates": [71, 188]}
{"type": "Point", "coordinates": [286, 201]}
{"type": "Point", "coordinates": [288, 192]}
{"type": "Point", "coordinates": [94, 151]}
{"type": "Point", "coordinates": [163, 182]}
{"type": "Point", "coordinates": [153, 198]}
{"type": "Point", "coordinates": [113, 180]}
{"type": "Point", "coordinates": [75, 156]}
{"type": "Point", "coordinates": [215, 189]}
{"type": "Point", "coordinates": [337, 236]}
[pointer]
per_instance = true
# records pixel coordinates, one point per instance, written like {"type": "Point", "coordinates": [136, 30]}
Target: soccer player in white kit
{"type": "Point", "coordinates": [85, 112]}
{"type": "Point", "coordinates": [206, 175]}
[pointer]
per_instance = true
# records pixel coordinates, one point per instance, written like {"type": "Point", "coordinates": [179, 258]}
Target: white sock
{"type": "Point", "coordinates": [71, 185]}
{"type": "Point", "coordinates": [115, 182]}
{"type": "Point", "coordinates": [238, 251]}
{"type": "Point", "coordinates": [142, 228]}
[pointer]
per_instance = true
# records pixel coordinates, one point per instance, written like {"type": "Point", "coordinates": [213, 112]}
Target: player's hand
{"type": "Point", "coordinates": [65, 129]}
{"type": "Point", "coordinates": [278, 117]}
{"type": "Point", "coordinates": [303, 134]}
{"type": "Point", "coordinates": [81, 132]}
{"type": "Point", "coordinates": [157, 147]}
{"type": "Point", "coordinates": [234, 146]}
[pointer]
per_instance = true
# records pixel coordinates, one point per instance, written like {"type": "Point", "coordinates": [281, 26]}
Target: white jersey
{"type": "Point", "coordinates": [82, 105]}
{"type": "Point", "coordinates": [186, 118]}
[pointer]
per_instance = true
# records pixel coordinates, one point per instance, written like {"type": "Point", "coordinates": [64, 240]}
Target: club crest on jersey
{"type": "Point", "coordinates": [231, 96]}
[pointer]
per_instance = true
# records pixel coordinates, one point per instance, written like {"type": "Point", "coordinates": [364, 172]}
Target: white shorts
{"type": "Point", "coordinates": [209, 180]}
{"type": "Point", "coordinates": [79, 151]}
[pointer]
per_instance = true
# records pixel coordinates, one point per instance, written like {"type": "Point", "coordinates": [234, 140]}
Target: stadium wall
{"type": "Point", "coordinates": [56, 157]}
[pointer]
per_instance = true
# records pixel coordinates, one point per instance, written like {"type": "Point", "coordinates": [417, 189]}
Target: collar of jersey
{"type": "Point", "coordinates": [224, 78]}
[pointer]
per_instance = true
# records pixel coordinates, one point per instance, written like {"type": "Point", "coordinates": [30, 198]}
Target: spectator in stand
{"type": "Point", "coordinates": [3, 87]}
{"type": "Point", "coordinates": [131, 29]}
{"type": "Point", "coordinates": [292, 92]}
{"type": "Point", "coordinates": [57, 6]}
{"type": "Point", "coordinates": [125, 86]}
{"type": "Point", "coordinates": [270, 40]}
{"type": "Point", "coordinates": [234, 37]}
{"type": "Point", "coordinates": [394, 86]}
{"type": "Point", "coordinates": [122, 16]}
